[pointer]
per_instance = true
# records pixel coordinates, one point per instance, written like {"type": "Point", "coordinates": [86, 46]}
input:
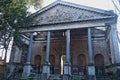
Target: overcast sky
{"type": "Point", "coordinates": [102, 4]}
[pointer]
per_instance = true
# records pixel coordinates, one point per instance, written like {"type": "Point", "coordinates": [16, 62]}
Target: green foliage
{"type": "Point", "coordinates": [14, 17]}
{"type": "Point", "coordinates": [14, 12]}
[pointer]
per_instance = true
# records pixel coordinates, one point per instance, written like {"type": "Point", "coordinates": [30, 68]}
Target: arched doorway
{"type": "Point", "coordinates": [81, 60]}
{"type": "Point", "coordinates": [99, 64]}
{"type": "Point", "coordinates": [52, 63]}
{"type": "Point", "coordinates": [37, 63]}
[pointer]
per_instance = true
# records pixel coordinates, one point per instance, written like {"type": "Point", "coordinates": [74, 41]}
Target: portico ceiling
{"type": "Point", "coordinates": [62, 15]}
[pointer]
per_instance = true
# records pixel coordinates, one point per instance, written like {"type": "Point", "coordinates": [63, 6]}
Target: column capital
{"type": "Point", "coordinates": [67, 32]}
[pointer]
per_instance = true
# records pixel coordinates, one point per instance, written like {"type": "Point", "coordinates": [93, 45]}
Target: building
{"type": "Point", "coordinates": [70, 39]}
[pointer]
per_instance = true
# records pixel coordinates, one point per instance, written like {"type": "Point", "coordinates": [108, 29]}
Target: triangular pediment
{"type": "Point", "coordinates": [61, 12]}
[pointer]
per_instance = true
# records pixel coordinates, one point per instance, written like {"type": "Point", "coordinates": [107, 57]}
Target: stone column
{"type": "Point", "coordinates": [116, 47]}
{"type": "Point", "coordinates": [27, 67]}
{"type": "Point", "coordinates": [46, 66]}
{"type": "Point", "coordinates": [67, 65]}
{"type": "Point", "coordinates": [91, 68]}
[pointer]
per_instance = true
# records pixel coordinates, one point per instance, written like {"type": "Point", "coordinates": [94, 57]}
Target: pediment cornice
{"type": "Point", "coordinates": [61, 12]}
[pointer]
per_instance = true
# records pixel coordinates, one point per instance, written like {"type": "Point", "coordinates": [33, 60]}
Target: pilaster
{"type": "Point", "coordinates": [116, 47]}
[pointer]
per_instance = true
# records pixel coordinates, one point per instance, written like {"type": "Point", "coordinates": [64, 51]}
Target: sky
{"type": "Point", "coordinates": [100, 4]}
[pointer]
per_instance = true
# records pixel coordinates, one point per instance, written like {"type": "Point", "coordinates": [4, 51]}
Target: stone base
{"type": "Point", "coordinates": [46, 70]}
{"type": "Point", "coordinates": [44, 76]}
{"type": "Point", "coordinates": [26, 70]}
{"type": "Point", "coordinates": [118, 70]}
{"type": "Point", "coordinates": [91, 72]}
{"type": "Point", "coordinates": [66, 77]}
{"type": "Point", "coordinates": [67, 69]}
{"type": "Point", "coordinates": [11, 67]}
{"type": "Point", "coordinates": [91, 77]}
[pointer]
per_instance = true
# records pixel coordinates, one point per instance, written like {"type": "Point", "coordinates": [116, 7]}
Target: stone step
{"type": "Point", "coordinates": [55, 77]}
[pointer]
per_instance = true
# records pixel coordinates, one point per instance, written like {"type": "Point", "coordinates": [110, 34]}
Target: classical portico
{"type": "Point", "coordinates": [67, 18]}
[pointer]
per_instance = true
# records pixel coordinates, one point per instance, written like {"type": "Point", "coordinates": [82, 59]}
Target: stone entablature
{"type": "Point", "coordinates": [62, 15]}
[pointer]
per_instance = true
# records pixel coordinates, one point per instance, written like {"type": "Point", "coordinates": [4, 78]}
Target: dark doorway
{"type": "Point", "coordinates": [37, 63]}
{"type": "Point", "coordinates": [99, 64]}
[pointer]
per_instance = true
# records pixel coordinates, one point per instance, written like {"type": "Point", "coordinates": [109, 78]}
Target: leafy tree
{"type": "Point", "coordinates": [13, 16]}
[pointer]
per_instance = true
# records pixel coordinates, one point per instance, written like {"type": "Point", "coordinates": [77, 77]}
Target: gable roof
{"type": "Point", "coordinates": [63, 12]}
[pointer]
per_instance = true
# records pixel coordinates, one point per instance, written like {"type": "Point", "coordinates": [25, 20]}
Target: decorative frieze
{"type": "Point", "coordinates": [62, 13]}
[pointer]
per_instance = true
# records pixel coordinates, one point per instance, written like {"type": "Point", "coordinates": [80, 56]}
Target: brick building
{"type": "Point", "coordinates": [70, 39]}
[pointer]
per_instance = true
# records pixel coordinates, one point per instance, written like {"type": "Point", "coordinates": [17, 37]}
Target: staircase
{"type": "Point", "coordinates": [78, 77]}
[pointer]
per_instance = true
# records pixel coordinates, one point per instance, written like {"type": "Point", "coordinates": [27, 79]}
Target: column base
{"type": "Point", "coordinates": [66, 77]}
{"type": "Point", "coordinates": [46, 69]}
{"type": "Point", "coordinates": [91, 77]}
{"type": "Point", "coordinates": [26, 70]}
{"type": "Point", "coordinates": [91, 72]}
{"type": "Point", "coordinates": [44, 76]}
{"type": "Point", "coordinates": [118, 69]}
{"type": "Point", "coordinates": [67, 69]}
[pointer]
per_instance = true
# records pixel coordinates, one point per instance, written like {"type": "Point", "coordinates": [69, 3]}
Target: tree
{"type": "Point", "coordinates": [38, 3]}
{"type": "Point", "coordinates": [13, 16]}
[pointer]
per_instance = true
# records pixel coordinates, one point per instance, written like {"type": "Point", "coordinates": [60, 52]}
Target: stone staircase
{"type": "Point", "coordinates": [18, 76]}
{"type": "Point", "coordinates": [78, 77]}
